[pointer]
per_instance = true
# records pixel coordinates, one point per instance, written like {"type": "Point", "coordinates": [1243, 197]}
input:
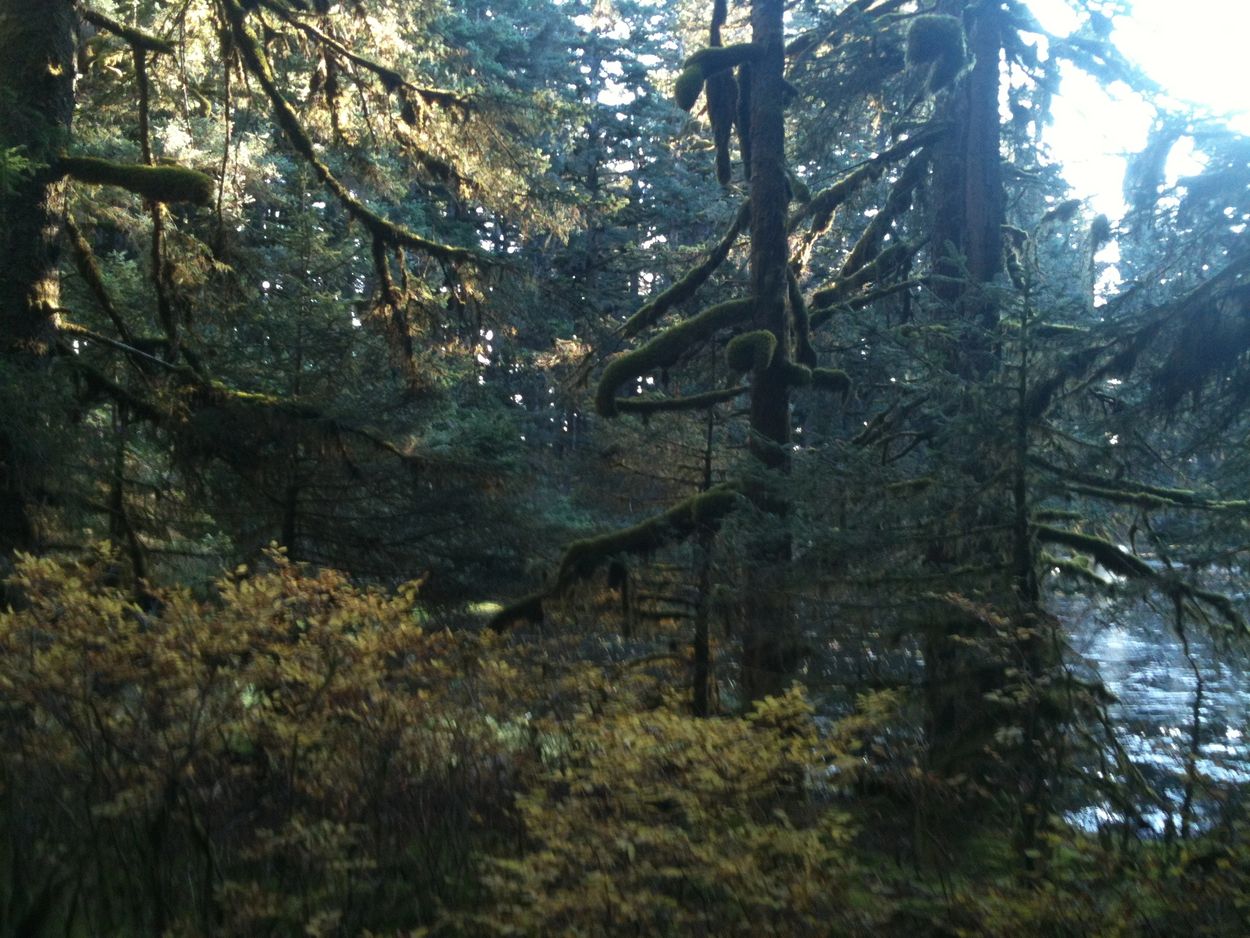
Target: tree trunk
{"type": "Point", "coordinates": [768, 642]}
{"type": "Point", "coordinates": [968, 214]}
{"type": "Point", "coordinates": [36, 103]}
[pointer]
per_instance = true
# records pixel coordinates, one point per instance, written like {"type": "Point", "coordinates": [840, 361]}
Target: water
{"type": "Point", "coordinates": [1143, 664]}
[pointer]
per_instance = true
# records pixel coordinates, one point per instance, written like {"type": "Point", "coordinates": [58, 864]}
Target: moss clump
{"type": "Point", "coordinates": [689, 85]}
{"type": "Point", "coordinates": [797, 376]}
{"type": "Point", "coordinates": [833, 380]}
{"type": "Point", "coordinates": [716, 59]}
{"type": "Point", "coordinates": [666, 348]}
{"type": "Point", "coordinates": [937, 42]}
{"type": "Point", "coordinates": [1099, 233]}
{"type": "Point", "coordinates": [158, 183]}
{"type": "Point", "coordinates": [751, 351]}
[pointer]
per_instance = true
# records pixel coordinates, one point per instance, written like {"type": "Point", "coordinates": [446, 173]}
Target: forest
{"type": "Point", "coordinates": [613, 467]}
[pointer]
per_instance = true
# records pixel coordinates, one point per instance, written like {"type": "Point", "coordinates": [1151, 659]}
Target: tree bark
{"type": "Point", "coordinates": [36, 103]}
{"type": "Point", "coordinates": [968, 214]}
{"type": "Point", "coordinates": [767, 642]}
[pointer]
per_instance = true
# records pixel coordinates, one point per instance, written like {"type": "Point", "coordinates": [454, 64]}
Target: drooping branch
{"type": "Point", "coordinates": [689, 284]}
{"type": "Point", "coordinates": [1139, 494]}
{"type": "Point", "coordinates": [822, 205]}
{"type": "Point", "coordinates": [89, 269]}
{"type": "Point", "coordinates": [257, 64]}
{"type": "Point", "coordinates": [392, 80]}
{"type": "Point", "coordinates": [1122, 563]}
{"type": "Point", "coordinates": [582, 558]}
{"type": "Point", "coordinates": [136, 37]}
{"type": "Point", "coordinates": [666, 348]}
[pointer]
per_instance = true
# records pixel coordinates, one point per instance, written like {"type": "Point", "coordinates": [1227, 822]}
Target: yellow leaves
{"type": "Point", "coordinates": [661, 823]}
{"type": "Point", "coordinates": [297, 722]}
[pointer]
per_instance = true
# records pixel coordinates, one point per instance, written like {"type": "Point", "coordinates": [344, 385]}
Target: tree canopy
{"type": "Point", "coordinates": [659, 455]}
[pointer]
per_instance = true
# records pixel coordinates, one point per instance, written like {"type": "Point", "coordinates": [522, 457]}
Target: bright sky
{"type": "Point", "coordinates": [1193, 48]}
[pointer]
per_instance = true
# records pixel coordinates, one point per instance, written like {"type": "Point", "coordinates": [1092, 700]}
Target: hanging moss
{"type": "Point", "coordinates": [158, 183]}
{"type": "Point", "coordinates": [257, 63]}
{"type": "Point", "coordinates": [937, 42]}
{"type": "Point", "coordinates": [804, 352]}
{"type": "Point", "coordinates": [645, 406]}
{"type": "Point", "coordinates": [688, 87]}
{"type": "Point", "coordinates": [742, 119]}
{"type": "Point", "coordinates": [716, 59]}
{"type": "Point", "coordinates": [722, 106]}
{"type": "Point", "coordinates": [751, 351]}
{"type": "Point", "coordinates": [666, 348]}
{"type": "Point", "coordinates": [832, 380]}
{"type": "Point", "coordinates": [1065, 211]}
{"type": "Point", "coordinates": [1099, 233]}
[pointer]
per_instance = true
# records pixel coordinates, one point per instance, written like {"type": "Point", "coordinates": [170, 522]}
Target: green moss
{"type": "Point", "coordinates": [1109, 555]}
{"type": "Point", "coordinates": [707, 508]}
{"type": "Point", "coordinates": [527, 609]}
{"type": "Point", "coordinates": [158, 183]}
{"type": "Point", "coordinates": [751, 351]}
{"type": "Point", "coordinates": [796, 375]}
{"type": "Point", "coordinates": [689, 284]}
{"type": "Point", "coordinates": [135, 37]}
{"type": "Point", "coordinates": [657, 405]}
{"type": "Point", "coordinates": [833, 380]}
{"type": "Point", "coordinates": [1099, 232]}
{"type": "Point", "coordinates": [689, 85]}
{"type": "Point", "coordinates": [257, 64]}
{"type": "Point", "coordinates": [716, 59]}
{"type": "Point", "coordinates": [937, 42]}
{"type": "Point", "coordinates": [911, 486]}
{"type": "Point", "coordinates": [666, 348]}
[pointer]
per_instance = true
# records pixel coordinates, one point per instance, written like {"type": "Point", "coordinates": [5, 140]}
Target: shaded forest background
{"type": "Point", "coordinates": [603, 468]}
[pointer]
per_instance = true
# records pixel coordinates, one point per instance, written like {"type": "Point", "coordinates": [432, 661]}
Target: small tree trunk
{"type": "Point", "coordinates": [767, 640]}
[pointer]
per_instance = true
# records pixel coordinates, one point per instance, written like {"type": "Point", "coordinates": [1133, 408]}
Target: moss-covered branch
{"type": "Point", "coordinates": [391, 80]}
{"type": "Point", "coordinates": [257, 65]}
{"type": "Point", "coordinates": [708, 63]}
{"type": "Point", "coordinates": [157, 183]}
{"type": "Point", "coordinates": [1135, 493]}
{"type": "Point", "coordinates": [666, 348]}
{"type": "Point", "coordinates": [827, 301]}
{"type": "Point", "coordinates": [1122, 563]}
{"type": "Point", "coordinates": [646, 406]}
{"type": "Point", "coordinates": [832, 381]}
{"type": "Point", "coordinates": [582, 558]}
{"type": "Point", "coordinates": [689, 284]}
{"type": "Point", "coordinates": [89, 269]}
{"type": "Point", "coordinates": [1117, 561]}
{"type": "Point", "coordinates": [137, 38]}
{"type": "Point", "coordinates": [822, 205]}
